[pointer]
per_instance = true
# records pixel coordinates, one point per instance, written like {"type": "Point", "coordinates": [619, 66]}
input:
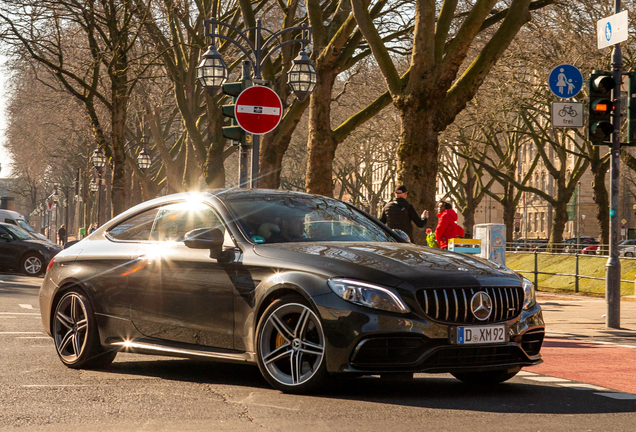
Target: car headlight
{"type": "Point", "coordinates": [365, 294]}
{"type": "Point", "coordinates": [53, 248]}
{"type": "Point", "coordinates": [528, 294]}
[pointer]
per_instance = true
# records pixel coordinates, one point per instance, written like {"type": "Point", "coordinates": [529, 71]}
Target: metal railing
{"type": "Point", "coordinates": [576, 274]}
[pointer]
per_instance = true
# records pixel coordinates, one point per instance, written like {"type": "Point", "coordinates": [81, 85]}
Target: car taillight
{"type": "Point", "coordinates": [50, 264]}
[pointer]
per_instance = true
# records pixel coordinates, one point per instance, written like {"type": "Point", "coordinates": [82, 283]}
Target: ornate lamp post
{"type": "Point", "coordinates": [143, 159]}
{"type": "Point", "coordinates": [212, 71]}
{"type": "Point", "coordinates": [99, 161]}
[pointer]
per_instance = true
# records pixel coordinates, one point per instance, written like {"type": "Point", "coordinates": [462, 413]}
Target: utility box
{"type": "Point", "coordinates": [493, 241]}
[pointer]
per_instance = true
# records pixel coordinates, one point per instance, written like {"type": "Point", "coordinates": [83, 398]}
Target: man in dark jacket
{"type": "Point", "coordinates": [399, 213]}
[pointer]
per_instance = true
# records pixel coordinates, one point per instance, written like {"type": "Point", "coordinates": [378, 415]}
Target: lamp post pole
{"type": "Point", "coordinates": [212, 72]}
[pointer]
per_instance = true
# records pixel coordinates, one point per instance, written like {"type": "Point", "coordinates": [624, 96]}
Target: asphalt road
{"type": "Point", "coordinates": [143, 393]}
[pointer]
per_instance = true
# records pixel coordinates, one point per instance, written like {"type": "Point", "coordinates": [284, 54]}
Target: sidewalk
{"type": "Point", "coordinates": [579, 317]}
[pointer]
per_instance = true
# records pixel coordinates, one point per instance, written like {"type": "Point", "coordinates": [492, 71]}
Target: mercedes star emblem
{"type": "Point", "coordinates": [481, 306]}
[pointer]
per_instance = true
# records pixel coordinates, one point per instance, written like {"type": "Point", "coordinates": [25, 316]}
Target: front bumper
{"type": "Point", "coordinates": [363, 340]}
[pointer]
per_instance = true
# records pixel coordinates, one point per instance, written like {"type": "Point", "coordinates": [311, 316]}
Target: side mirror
{"type": "Point", "coordinates": [402, 235]}
{"type": "Point", "coordinates": [205, 238]}
{"type": "Point", "coordinates": [6, 236]}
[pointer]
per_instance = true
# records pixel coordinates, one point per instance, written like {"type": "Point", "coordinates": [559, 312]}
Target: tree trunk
{"type": "Point", "coordinates": [509, 209]}
{"type": "Point", "coordinates": [601, 198]}
{"type": "Point", "coordinates": [272, 150]}
{"type": "Point", "coordinates": [560, 219]}
{"type": "Point", "coordinates": [417, 166]}
{"type": "Point", "coordinates": [321, 145]}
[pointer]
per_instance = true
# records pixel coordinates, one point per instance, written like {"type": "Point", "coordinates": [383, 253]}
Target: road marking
{"type": "Point", "coordinates": [546, 379]}
{"type": "Point", "coordinates": [12, 333]}
{"type": "Point", "coordinates": [526, 373]}
{"type": "Point", "coordinates": [583, 386]}
{"type": "Point", "coordinates": [25, 306]}
{"type": "Point", "coordinates": [619, 396]}
{"type": "Point", "coordinates": [55, 385]}
{"type": "Point", "coordinates": [19, 313]}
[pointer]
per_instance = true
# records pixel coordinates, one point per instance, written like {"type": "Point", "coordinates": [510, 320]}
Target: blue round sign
{"type": "Point", "coordinates": [608, 31]}
{"type": "Point", "coordinates": [565, 81]}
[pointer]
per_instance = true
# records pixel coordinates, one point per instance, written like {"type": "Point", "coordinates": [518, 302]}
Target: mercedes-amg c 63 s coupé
{"type": "Point", "coordinates": [304, 286]}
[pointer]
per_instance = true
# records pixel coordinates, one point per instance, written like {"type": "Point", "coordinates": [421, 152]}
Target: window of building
{"type": "Point", "coordinates": [542, 222]}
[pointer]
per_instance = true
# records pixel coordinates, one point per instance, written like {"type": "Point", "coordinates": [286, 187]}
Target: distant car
{"type": "Point", "coordinates": [22, 252]}
{"type": "Point", "coordinates": [583, 241]}
{"type": "Point", "coordinates": [627, 251]}
{"type": "Point", "coordinates": [590, 250]}
{"type": "Point", "coordinates": [15, 218]}
{"type": "Point", "coordinates": [626, 243]}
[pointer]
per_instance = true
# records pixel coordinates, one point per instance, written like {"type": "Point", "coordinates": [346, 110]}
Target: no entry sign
{"type": "Point", "coordinates": [258, 110]}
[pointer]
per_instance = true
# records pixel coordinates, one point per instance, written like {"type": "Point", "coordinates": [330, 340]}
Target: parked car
{"type": "Point", "coordinates": [529, 245]}
{"type": "Point", "coordinates": [15, 218]}
{"type": "Point", "coordinates": [627, 251]}
{"type": "Point", "coordinates": [590, 250]}
{"type": "Point", "coordinates": [236, 275]}
{"type": "Point", "coordinates": [583, 241]}
{"type": "Point", "coordinates": [22, 252]}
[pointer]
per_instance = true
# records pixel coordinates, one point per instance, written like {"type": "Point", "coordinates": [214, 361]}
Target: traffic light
{"type": "Point", "coordinates": [601, 107]}
{"type": "Point", "coordinates": [234, 132]}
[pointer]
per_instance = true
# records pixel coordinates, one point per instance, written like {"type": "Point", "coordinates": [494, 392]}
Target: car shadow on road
{"type": "Point", "coordinates": [432, 391]}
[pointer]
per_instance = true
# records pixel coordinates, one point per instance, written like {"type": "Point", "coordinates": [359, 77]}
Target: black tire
{"type": "Point", "coordinates": [32, 264]}
{"type": "Point", "coordinates": [629, 254]}
{"type": "Point", "coordinates": [290, 330]}
{"type": "Point", "coordinates": [486, 378]}
{"type": "Point", "coordinates": [75, 333]}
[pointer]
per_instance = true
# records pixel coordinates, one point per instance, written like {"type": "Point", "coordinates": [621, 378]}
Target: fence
{"type": "Point", "coordinates": [629, 265]}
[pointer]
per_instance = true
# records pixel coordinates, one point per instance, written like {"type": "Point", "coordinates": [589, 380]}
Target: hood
{"type": "Point", "coordinates": [392, 264]}
{"type": "Point", "coordinates": [402, 202]}
{"type": "Point", "coordinates": [449, 213]}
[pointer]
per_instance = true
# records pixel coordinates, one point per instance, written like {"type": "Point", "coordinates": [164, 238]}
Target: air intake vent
{"type": "Point", "coordinates": [452, 305]}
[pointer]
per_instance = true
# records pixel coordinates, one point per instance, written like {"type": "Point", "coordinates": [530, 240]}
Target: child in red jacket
{"type": "Point", "coordinates": [447, 227]}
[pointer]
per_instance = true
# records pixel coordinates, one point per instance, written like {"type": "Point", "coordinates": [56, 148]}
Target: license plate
{"type": "Point", "coordinates": [481, 334]}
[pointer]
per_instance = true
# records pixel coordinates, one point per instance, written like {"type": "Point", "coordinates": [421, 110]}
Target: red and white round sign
{"type": "Point", "coordinates": [258, 110]}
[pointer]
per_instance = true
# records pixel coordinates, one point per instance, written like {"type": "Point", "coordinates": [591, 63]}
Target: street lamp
{"type": "Point", "coordinates": [98, 159]}
{"type": "Point", "coordinates": [302, 76]}
{"type": "Point", "coordinates": [143, 160]}
{"type": "Point", "coordinates": [92, 186]}
{"type": "Point", "coordinates": [212, 71]}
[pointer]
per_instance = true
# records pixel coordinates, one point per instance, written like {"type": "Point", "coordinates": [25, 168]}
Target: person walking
{"type": "Point", "coordinates": [399, 213]}
{"type": "Point", "coordinates": [447, 227]}
{"type": "Point", "coordinates": [61, 235]}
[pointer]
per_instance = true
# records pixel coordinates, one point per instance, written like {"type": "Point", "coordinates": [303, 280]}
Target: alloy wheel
{"type": "Point", "coordinates": [32, 265]}
{"type": "Point", "coordinates": [70, 327]}
{"type": "Point", "coordinates": [292, 344]}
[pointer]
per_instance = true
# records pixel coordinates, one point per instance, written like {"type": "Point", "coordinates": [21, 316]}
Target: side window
{"type": "Point", "coordinates": [135, 228]}
{"type": "Point", "coordinates": [10, 221]}
{"type": "Point", "coordinates": [175, 220]}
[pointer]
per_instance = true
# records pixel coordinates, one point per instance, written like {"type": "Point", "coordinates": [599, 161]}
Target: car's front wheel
{"type": "Point", "coordinates": [32, 264]}
{"type": "Point", "coordinates": [488, 377]}
{"type": "Point", "coordinates": [290, 345]}
{"type": "Point", "coordinates": [75, 334]}
{"type": "Point", "coordinates": [629, 254]}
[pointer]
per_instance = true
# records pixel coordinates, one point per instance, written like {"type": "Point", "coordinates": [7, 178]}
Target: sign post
{"type": "Point", "coordinates": [612, 31]}
{"type": "Point", "coordinates": [258, 110]}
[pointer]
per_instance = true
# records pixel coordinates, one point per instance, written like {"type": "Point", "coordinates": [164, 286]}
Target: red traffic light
{"type": "Point", "coordinates": [602, 106]}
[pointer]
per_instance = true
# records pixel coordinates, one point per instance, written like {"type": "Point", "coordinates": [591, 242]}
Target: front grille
{"type": "Point", "coordinates": [388, 351]}
{"type": "Point", "coordinates": [457, 357]}
{"type": "Point", "coordinates": [531, 341]}
{"type": "Point", "coordinates": [452, 305]}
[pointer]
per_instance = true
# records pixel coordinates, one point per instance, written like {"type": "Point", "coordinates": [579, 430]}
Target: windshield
{"type": "Point", "coordinates": [25, 226]}
{"type": "Point", "coordinates": [283, 219]}
{"type": "Point", "coordinates": [17, 232]}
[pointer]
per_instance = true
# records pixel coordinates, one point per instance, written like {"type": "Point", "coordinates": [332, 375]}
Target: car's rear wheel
{"type": "Point", "coordinates": [75, 334]}
{"type": "Point", "coordinates": [629, 254]}
{"type": "Point", "coordinates": [290, 345]}
{"type": "Point", "coordinates": [488, 377]}
{"type": "Point", "coordinates": [32, 264]}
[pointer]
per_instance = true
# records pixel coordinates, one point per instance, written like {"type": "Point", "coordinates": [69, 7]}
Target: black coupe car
{"type": "Point", "coordinates": [21, 251]}
{"type": "Point", "coordinates": [304, 286]}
